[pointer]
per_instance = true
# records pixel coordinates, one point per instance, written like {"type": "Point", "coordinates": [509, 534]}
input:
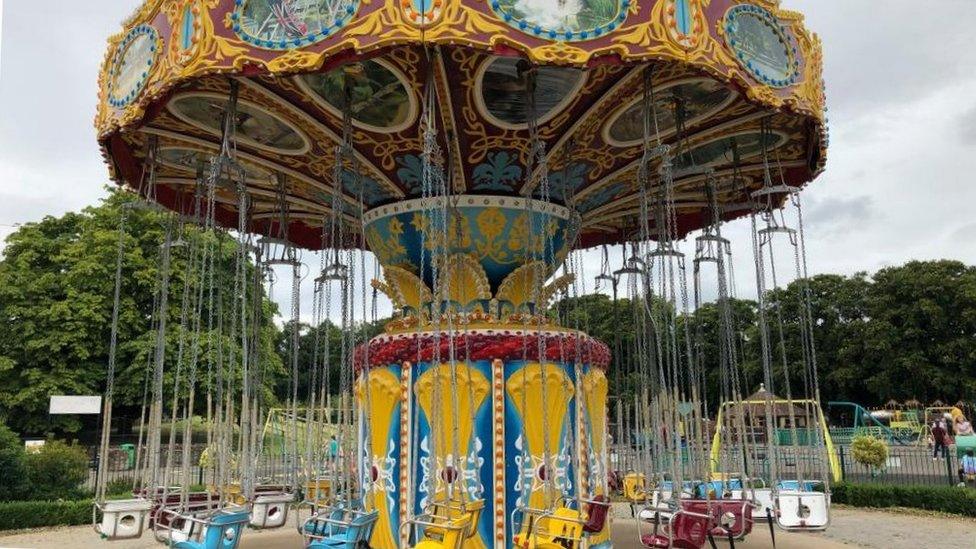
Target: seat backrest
{"type": "Point", "coordinates": [225, 529]}
{"type": "Point", "coordinates": [455, 533]}
{"type": "Point", "coordinates": [563, 524]}
{"type": "Point", "coordinates": [596, 514]}
{"type": "Point", "coordinates": [634, 486]}
{"type": "Point", "coordinates": [690, 529]}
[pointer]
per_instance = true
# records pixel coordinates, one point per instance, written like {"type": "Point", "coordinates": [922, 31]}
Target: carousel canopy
{"type": "Point", "coordinates": [720, 70]}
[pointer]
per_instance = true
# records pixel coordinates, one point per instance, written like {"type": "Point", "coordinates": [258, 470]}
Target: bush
{"type": "Point", "coordinates": [870, 451]}
{"type": "Point", "coordinates": [946, 499]}
{"type": "Point", "coordinates": [34, 514]}
{"type": "Point", "coordinates": [119, 486]}
{"type": "Point", "coordinates": [56, 470]}
{"type": "Point", "coordinates": [13, 466]}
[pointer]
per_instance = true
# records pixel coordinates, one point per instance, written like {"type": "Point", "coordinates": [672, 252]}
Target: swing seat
{"type": "Point", "coordinates": [729, 517]}
{"type": "Point", "coordinates": [318, 490]}
{"type": "Point", "coordinates": [794, 485]}
{"type": "Point", "coordinates": [316, 525]}
{"type": "Point", "coordinates": [719, 487]}
{"type": "Point", "coordinates": [270, 510]}
{"type": "Point", "coordinates": [348, 531]}
{"type": "Point", "coordinates": [453, 533]}
{"type": "Point", "coordinates": [596, 514]}
{"type": "Point", "coordinates": [635, 487]}
{"type": "Point", "coordinates": [222, 530]}
{"type": "Point", "coordinates": [121, 519]}
{"type": "Point", "coordinates": [683, 530]}
{"type": "Point", "coordinates": [172, 522]}
{"type": "Point", "coordinates": [803, 510]}
{"type": "Point", "coordinates": [762, 502]}
{"type": "Point", "coordinates": [196, 502]}
{"type": "Point", "coordinates": [561, 529]}
{"type": "Point", "coordinates": [445, 512]}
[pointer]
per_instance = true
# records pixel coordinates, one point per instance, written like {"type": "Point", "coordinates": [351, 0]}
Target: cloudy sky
{"type": "Point", "coordinates": [901, 84]}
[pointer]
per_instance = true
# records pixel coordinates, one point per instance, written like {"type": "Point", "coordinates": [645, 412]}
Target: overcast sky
{"type": "Point", "coordinates": [901, 84]}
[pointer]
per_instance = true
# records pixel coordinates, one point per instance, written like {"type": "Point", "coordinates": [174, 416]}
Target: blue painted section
{"type": "Point", "coordinates": [373, 193]}
{"type": "Point", "coordinates": [498, 238]}
{"type": "Point", "coordinates": [683, 16]}
{"type": "Point", "coordinates": [186, 28]}
{"type": "Point", "coordinates": [514, 428]}
{"type": "Point", "coordinates": [603, 196]}
{"type": "Point", "coordinates": [481, 486]}
{"type": "Point", "coordinates": [499, 172]}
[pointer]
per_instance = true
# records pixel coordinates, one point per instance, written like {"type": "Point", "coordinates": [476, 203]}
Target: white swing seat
{"type": "Point", "coordinates": [121, 518]}
{"type": "Point", "coordinates": [763, 501]}
{"type": "Point", "coordinates": [802, 510]}
{"type": "Point", "coordinates": [270, 510]}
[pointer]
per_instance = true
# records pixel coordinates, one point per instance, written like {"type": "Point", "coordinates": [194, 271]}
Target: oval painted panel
{"type": "Point", "coordinates": [503, 90]}
{"type": "Point", "coordinates": [287, 24]}
{"type": "Point", "coordinates": [255, 126]}
{"type": "Point", "coordinates": [190, 160]}
{"type": "Point", "coordinates": [761, 45]}
{"type": "Point", "coordinates": [133, 61]}
{"type": "Point", "coordinates": [570, 20]}
{"type": "Point", "coordinates": [379, 98]}
{"type": "Point", "coordinates": [697, 99]}
{"type": "Point", "coordinates": [720, 151]}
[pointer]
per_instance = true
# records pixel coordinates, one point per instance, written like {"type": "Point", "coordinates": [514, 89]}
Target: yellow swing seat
{"type": "Point", "coordinates": [635, 487]}
{"type": "Point", "coordinates": [445, 512]}
{"type": "Point", "coordinates": [559, 529]}
{"type": "Point", "coordinates": [445, 534]}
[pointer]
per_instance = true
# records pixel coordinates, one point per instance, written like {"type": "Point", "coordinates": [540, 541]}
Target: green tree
{"type": "Point", "coordinates": [921, 338]}
{"type": "Point", "coordinates": [56, 470]}
{"type": "Point", "coordinates": [56, 285]}
{"type": "Point", "coordinates": [315, 343]}
{"type": "Point", "coordinates": [14, 483]}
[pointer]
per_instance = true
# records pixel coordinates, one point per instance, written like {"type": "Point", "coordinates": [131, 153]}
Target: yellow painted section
{"type": "Point", "coordinates": [457, 404]}
{"type": "Point", "coordinates": [595, 389]}
{"type": "Point", "coordinates": [384, 398]}
{"type": "Point", "coordinates": [526, 388]}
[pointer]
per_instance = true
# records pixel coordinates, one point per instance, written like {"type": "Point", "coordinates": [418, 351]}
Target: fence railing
{"type": "Point", "coordinates": [905, 466]}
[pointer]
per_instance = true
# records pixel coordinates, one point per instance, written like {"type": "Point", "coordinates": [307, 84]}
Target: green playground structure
{"type": "Point", "coordinates": [904, 431]}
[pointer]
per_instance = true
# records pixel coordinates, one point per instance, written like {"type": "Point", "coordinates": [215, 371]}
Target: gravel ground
{"type": "Point", "coordinates": [900, 529]}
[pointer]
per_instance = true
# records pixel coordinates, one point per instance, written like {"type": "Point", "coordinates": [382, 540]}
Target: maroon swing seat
{"type": "Point", "coordinates": [596, 514]}
{"type": "Point", "coordinates": [685, 530]}
{"type": "Point", "coordinates": [740, 510]}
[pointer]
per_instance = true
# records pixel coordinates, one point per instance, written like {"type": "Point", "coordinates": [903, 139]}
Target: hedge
{"type": "Point", "coordinates": [33, 514]}
{"type": "Point", "coordinates": [946, 499]}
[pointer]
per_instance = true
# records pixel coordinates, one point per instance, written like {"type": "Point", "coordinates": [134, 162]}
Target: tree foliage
{"type": "Point", "coordinates": [57, 279]}
{"type": "Point", "coordinates": [906, 332]}
{"type": "Point", "coordinates": [14, 484]}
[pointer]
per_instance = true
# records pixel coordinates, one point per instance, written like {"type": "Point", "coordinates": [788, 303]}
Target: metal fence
{"type": "Point", "coordinates": [910, 465]}
{"type": "Point", "coordinates": [122, 466]}
{"type": "Point", "coordinates": [905, 466]}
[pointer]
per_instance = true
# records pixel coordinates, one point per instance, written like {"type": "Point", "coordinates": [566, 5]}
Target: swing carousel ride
{"type": "Point", "coordinates": [476, 148]}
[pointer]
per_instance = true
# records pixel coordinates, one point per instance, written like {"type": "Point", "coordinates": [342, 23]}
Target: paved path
{"type": "Point", "coordinates": [850, 528]}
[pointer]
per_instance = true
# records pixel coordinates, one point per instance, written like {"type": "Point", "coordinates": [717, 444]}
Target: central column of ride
{"type": "Point", "coordinates": [478, 405]}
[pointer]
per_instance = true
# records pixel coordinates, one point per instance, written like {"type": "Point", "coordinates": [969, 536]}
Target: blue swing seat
{"type": "Point", "coordinates": [223, 531]}
{"type": "Point", "coordinates": [794, 485]}
{"type": "Point", "coordinates": [335, 533]}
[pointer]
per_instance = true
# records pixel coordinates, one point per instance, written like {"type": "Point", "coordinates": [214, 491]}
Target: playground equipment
{"type": "Point", "coordinates": [474, 148]}
{"type": "Point", "coordinates": [902, 427]}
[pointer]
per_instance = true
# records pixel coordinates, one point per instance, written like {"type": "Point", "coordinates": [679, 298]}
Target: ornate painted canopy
{"type": "Point", "coordinates": [728, 64]}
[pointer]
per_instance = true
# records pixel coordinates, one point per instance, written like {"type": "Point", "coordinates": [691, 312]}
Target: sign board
{"type": "Point", "coordinates": [75, 405]}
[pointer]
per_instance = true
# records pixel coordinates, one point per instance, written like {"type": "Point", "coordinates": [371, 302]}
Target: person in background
{"type": "Point", "coordinates": [962, 427]}
{"type": "Point", "coordinates": [333, 450]}
{"type": "Point", "coordinates": [967, 467]}
{"type": "Point", "coordinates": [939, 440]}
